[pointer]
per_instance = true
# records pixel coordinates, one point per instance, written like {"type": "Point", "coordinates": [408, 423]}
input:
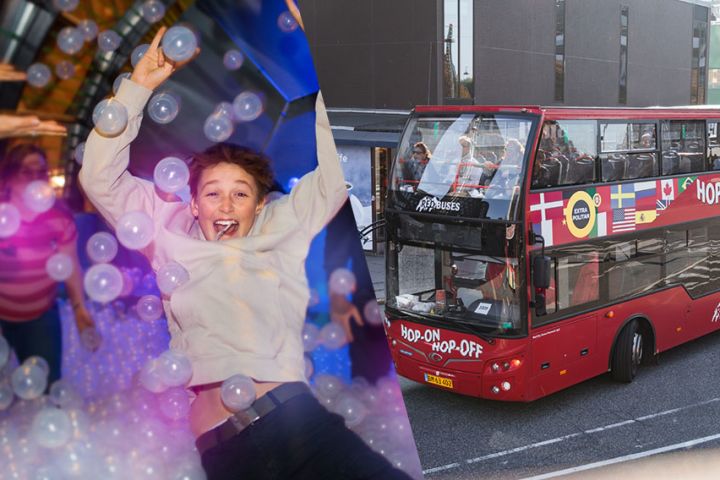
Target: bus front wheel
{"type": "Point", "coordinates": [628, 353]}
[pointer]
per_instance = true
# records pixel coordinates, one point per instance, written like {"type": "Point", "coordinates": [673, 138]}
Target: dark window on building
{"type": "Point", "coordinates": [713, 145]}
{"type": "Point", "coordinates": [683, 147]}
{"type": "Point", "coordinates": [559, 50]}
{"type": "Point", "coordinates": [622, 96]}
{"type": "Point", "coordinates": [458, 52]}
{"type": "Point", "coordinates": [699, 55]}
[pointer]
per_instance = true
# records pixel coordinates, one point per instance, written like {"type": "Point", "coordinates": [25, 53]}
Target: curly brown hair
{"type": "Point", "coordinates": [254, 163]}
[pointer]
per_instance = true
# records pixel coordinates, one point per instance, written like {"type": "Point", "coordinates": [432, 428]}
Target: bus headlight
{"type": "Point", "coordinates": [505, 386]}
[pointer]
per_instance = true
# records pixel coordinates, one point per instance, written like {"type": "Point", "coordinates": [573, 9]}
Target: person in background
{"type": "Point", "coordinates": [29, 314]}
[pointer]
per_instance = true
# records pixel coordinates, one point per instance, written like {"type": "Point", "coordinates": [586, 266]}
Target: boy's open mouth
{"type": "Point", "coordinates": [225, 227]}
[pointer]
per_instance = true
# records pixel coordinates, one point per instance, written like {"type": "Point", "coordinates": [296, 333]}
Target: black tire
{"type": "Point", "coordinates": [628, 353]}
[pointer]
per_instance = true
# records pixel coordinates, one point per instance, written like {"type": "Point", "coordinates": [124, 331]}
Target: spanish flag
{"type": "Point", "coordinates": [645, 216]}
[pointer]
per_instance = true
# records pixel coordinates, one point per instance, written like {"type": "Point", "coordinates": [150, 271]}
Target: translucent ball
{"type": "Point", "coordinates": [89, 29]}
{"type": "Point", "coordinates": [39, 196]}
{"type": "Point", "coordinates": [224, 109]}
{"type": "Point", "coordinates": [342, 281]}
{"type": "Point", "coordinates": [174, 403]}
{"type": "Point", "coordinates": [135, 230]}
{"type": "Point", "coordinates": [28, 381]}
{"type": "Point", "coordinates": [9, 220]}
{"type": "Point", "coordinates": [51, 428]}
{"type": "Point", "coordinates": [332, 336]}
{"type": "Point", "coordinates": [328, 386]}
{"type": "Point", "coordinates": [152, 11]}
{"type": "Point", "coordinates": [310, 337]}
{"type": "Point", "coordinates": [351, 409]}
{"type": "Point", "coordinates": [59, 267]}
{"type": "Point", "coordinates": [103, 282]}
{"type": "Point", "coordinates": [90, 338]}
{"type": "Point", "coordinates": [110, 117]}
{"type": "Point", "coordinates": [179, 43]}
{"type": "Point", "coordinates": [70, 40]}
{"type": "Point", "coordinates": [63, 395]}
{"type": "Point", "coordinates": [137, 53]}
{"type": "Point", "coordinates": [65, 5]}
{"type": "Point", "coordinates": [65, 70]}
{"type": "Point", "coordinates": [248, 106]}
{"type": "Point", "coordinates": [38, 75]}
{"type": "Point", "coordinates": [171, 174]}
{"type": "Point", "coordinates": [109, 41]}
{"type": "Point", "coordinates": [101, 247]}
{"type": "Point", "coordinates": [286, 22]}
{"type": "Point", "coordinates": [4, 352]}
{"type": "Point", "coordinates": [150, 376]}
{"type": "Point", "coordinates": [6, 397]}
{"type": "Point", "coordinates": [79, 153]}
{"type": "Point", "coordinates": [118, 81]}
{"type": "Point", "coordinates": [163, 108]}
{"type": "Point", "coordinates": [237, 392]}
{"type": "Point", "coordinates": [149, 308]}
{"type": "Point", "coordinates": [233, 59]}
{"type": "Point", "coordinates": [171, 276]}
{"type": "Point", "coordinates": [373, 313]}
{"type": "Point", "coordinates": [175, 368]}
{"type": "Point", "coordinates": [39, 362]}
{"type": "Point", "coordinates": [218, 128]}
{"type": "Point", "coordinates": [292, 182]}
{"type": "Point", "coordinates": [309, 367]}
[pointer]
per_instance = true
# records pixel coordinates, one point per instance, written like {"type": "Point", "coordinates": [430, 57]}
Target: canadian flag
{"type": "Point", "coordinates": [667, 190]}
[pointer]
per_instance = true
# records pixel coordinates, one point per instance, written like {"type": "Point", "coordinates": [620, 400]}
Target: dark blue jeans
{"type": "Point", "coordinates": [298, 440]}
{"type": "Point", "coordinates": [41, 336]}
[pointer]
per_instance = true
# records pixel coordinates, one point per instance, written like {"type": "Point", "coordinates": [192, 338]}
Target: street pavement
{"type": "Point", "coordinates": [376, 264]}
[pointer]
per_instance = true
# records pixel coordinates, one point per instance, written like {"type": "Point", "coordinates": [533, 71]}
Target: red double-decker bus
{"type": "Point", "coordinates": [535, 248]}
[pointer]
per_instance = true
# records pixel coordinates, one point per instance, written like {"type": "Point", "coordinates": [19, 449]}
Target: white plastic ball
{"type": "Point", "coordinates": [171, 276]}
{"type": "Point", "coordinates": [108, 41]}
{"type": "Point", "coordinates": [310, 337]}
{"type": "Point", "coordinates": [175, 368]}
{"type": "Point", "coordinates": [149, 308]}
{"type": "Point", "coordinates": [6, 396]}
{"type": "Point", "coordinates": [174, 403]}
{"type": "Point", "coordinates": [90, 339]}
{"type": "Point", "coordinates": [163, 108]}
{"type": "Point", "coordinates": [9, 220]}
{"type": "Point", "coordinates": [332, 336]}
{"type": "Point", "coordinates": [103, 282]}
{"type": "Point", "coordinates": [342, 281]}
{"type": "Point", "coordinates": [218, 128]}
{"type": "Point", "coordinates": [65, 70]}
{"type": "Point", "coordinates": [309, 367]}
{"type": "Point", "coordinates": [328, 386]}
{"type": "Point", "coordinates": [248, 106]}
{"type": "Point", "coordinates": [28, 381]}
{"type": "Point", "coordinates": [171, 174]}
{"type": "Point", "coordinates": [135, 230]}
{"type": "Point", "coordinates": [151, 378]}
{"type": "Point", "coordinates": [152, 11]}
{"type": "Point", "coordinates": [373, 313]}
{"type": "Point", "coordinates": [118, 81]}
{"type": "Point", "coordinates": [70, 40]}
{"type": "Point", "coordinates": [51, 428]}
{"type": "Point", "coordinates": [138, 53]}
{"type": "Point", "coordinates": [110, 117]}
{"type": "Point", "coordinates": [38, 75]}
{"type": "Point", "coordinates": [59, 267]}
{"type": "Point", "coordinates": [292, 182]}
{"type": "Point", "coordinates": [79, 153]}
{"type": "Point", "coordinates": [101, 247]}
{"type": "Point", "coordinates": [66, 5]}
{"type": "Point", "coordinates": [237, 392]}
{"type": "Point", "coordinates": [179, 43]}
{"type": "Point", "coordinates": [39, 196]}
{"type": "Point", "coordinates": [233, 59]}
{"type": "Point", "coordinates": [224, 109]}
{"type": "Point", "coordinates": [4, 352]}
{"type": "Point", "coordinates": [63, 395]}
{"type": "Point", "coordinates": [89, 29]}
{"type": "Point", "coordinates": [351, 409]}
{"type": "Point", "coordinates": [286, 22]}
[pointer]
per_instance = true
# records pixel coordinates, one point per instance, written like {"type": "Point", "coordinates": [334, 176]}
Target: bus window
{"type": "Point", "coordinates": [566, 155]}
{"type": "Point", "coordinates": [683, 146]}
{"type": "Point", "coordinates": [578, 280]}
{"type": "Point", "coordinates": [629, 151]}
{"type": "Point", "coordinates": [713, 145]}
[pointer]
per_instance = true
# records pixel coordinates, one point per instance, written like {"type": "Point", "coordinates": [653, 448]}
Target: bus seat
{"type": "Point", "coordinates": [640, 166]}
{"type": "Point", "coordinates": [614, 169]}
{"type": "Point", "coordinates": [581, 170]}
{"type": "Point", "coordinates": [685, 165]}
{"type": "Point", "coordinates": [555, 169]}
{"type": "Point", "coordinates": [671, 162]}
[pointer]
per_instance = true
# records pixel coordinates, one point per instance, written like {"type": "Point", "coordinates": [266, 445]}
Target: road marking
{"type": "Point", "coordinates": [551, 441]}
{"type": "Point", "coordinates": [625, 458]}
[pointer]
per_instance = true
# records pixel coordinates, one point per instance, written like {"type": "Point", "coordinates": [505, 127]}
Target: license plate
{"type": "Point", "coordinates": [441, 381]}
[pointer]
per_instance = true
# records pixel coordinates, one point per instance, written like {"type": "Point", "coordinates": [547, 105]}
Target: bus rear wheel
{"type": "Point", "coordinates": [628, 353]}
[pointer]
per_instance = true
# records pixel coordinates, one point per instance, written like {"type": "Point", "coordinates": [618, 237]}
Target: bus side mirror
{"type": "Point", "coordinates": [541, 271]}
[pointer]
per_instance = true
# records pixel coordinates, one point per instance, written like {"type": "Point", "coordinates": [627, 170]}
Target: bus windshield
{"type": "Point", "coordinates": [480, 292]}
{"type": "Point", "coordinates": [464, 165]}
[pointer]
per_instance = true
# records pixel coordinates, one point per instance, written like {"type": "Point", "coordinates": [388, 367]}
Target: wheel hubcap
{"type": "Point", "coordinates": [637, 349]}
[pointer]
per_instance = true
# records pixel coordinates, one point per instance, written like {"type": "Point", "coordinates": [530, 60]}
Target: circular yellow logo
{"type": "Point", "coordinates": [580, 214]}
